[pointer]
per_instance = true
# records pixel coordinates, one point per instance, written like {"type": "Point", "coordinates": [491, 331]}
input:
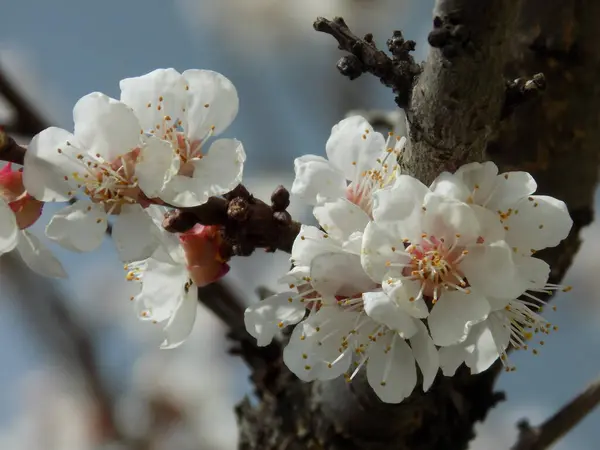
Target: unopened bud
{"type": "Point", "coordinates": [201, 247]}
{"type": "Point", "coordinates": [26, 208]}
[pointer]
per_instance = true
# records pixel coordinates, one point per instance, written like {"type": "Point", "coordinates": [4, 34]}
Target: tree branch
{"type": "Point", "coordinates": [397, 72]}
{"type": "Point", "coordinates": [27, 121]}
{"type": "Point", "coordinates": [10, 151]}
{"type": "Point", "coordinates": [247, 223]}
{"type": "Point", "coordinates": [546, 434]}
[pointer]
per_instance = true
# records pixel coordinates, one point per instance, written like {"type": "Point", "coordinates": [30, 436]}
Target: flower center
{"type": "Point", "coordinates": [111, 183]}
{"type": "Point", "coordinates": [435, 265]}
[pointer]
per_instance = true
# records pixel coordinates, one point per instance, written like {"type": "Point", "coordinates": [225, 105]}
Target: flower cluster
{"type": "Point", "coordinates": [122, 159]}
{"type": "Point", "coordinates": [401, 275]}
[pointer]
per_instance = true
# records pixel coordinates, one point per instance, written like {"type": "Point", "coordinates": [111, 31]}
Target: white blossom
{"type": "Point", "coordinates": [98, 163]}
{"type": "Point", "coordinates": [332, 299]}
{"type": "Point", "coordinates": [185, 110]}
{"type": "Point", "coordinates": [170, 277]}
{"type": "Point", "coordinates": [360, 160]}
{"type": "Point", "coordinates": [18, 211]}
{"type": "Point", "coordinates": [532, 222]}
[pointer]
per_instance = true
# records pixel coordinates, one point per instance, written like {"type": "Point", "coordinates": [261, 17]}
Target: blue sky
{"type": "Point", "coordinates": [289, 101]}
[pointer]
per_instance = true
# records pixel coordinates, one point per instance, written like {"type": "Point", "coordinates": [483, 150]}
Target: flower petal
{"type": "Point", "coordinates": [105, 126]}
{"type": "Point", "coordinates": [155, 166]}
{"type": "Point", "coordinates": [134, 234]}
{"type": "Point", "coordinates": [541, 222]}
{"type": "Point", "coordinates": [406, 295]}
{"type": "Point", "coordinates": [38, 257]}
{"type": "Point", "coordinates": [156, 96]}
{"type": "Point", "coordinates": [266, 318]}
{"type": "Point", "coordinates": [451, 186]}
{"type": "Point", "coordinates": [453, 316]}
{"type": "Point", "coordinates": [354, 146]}
{"type": "Point", "coordinates": [45, 167]}
{"type": "Point", "coordinates": [317, 178]}
{"type": "Point", "coordinates": [492, 270]}
{"type": "Point", "coordinates": [163, 288]}
{"type": "Point", "coordinates": [9, 232]}
{"type": "Point", "coordinates": [339, 274]}
{"type": "Point", "coordinates": [479, 179]}
{"type": "Point", "coordinates": [426, 355]}
{"type": "Point", "coordinates": [487, 341]}
{"type": "Point", "coordinates": [341, 218]}
{"type": "Point", "coordinates": [509, 188]}
{"type": "Point", "coordinates": [213, 103]}
{"type": "Point", "coordinates": [381, 247]}
{"type": "Point", "coordinates": [384, 310]}
{"type": "Point", "coordinates": [79, 227]}
{"type": "Point", "coordinates": [216, 173]}
{"type": "Point", "coordinates": [391, 370]}
{"type": "Point", "coordinates": [182, 321]}
{"type": "Point", "coordinates": [310, 243]}
{"type": "Point", "coordinates": [451, 358]}
{"type": "Point", "coordinates": [446, 218]}
{"type": "Point", "coordinates": [491, 229]}
{"type": "Point", "coordinates": [403, 201]}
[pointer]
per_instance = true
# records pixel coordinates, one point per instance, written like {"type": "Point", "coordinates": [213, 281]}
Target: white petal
{"type": "Point", "coordinates": [486, 343]}
{"type": "Point", "coordinates": [450, 186]}
{"type": "Point", "coordinates": [310, 243]}
{"type": "Point", "coordinates": [403, 201]}
{"type": "Point", "coordinates": [134, 235]}
{"type": "Point", "coordinates": [38, 257]}
{"type": "Point", "coordinates": [509, 188]}
{"type": "Point", "coordinates": [181, 323]}
{"type": "Point", "coordinates": [382, 244]}
{"type": "Point", "coordinates": [446, 218]}
{"type": "Point", "coordinates": [316, 177]}
{"type": "Point", "coordinates": [384, 310]}
{"type": "Point", "coordinates": [426, 355]}
{"type": "Point", "coordinates": [266, 318]}
{"type": "Point", "coordinates": [105, 126]}
{"type": "Point", "coordinates": [155, 166]}
{"type": "Point", "coordinates": [453, 316]}
{"type": "Point", "coordinates": [354, 146]}
{"type": "Point", "coordinates": [339, 274]}
{"type": "Point", "coordinates": [533, 271]}
{"type": "Point", "coordinates": [163, 288]}
{"type": "Point", "coordinates": [212, 102]}
{"type": "Point", "coordinates": [479, 178]}
{"type": "Point", "coordinates": [313, 349]}
{"type": "Point", "coordinates": [451, 358]}
{"type": "Point", "coordinates": [540, 222]}
{"type": "Point", "coordinates": [144, 95]}
{"type": "Point", "coordinates": [45, 168]}
{"type": "Point", "coordinates": [216, 173]}
{"type": "Point", "coordinates": [392, 374]}
{"type": "Point", "coordinates": [341, 218]}
{"type": "Point", "coordinates": [406, 295]}
{"type": "Point", "coordinates": [79, 227]}
{"type": "Point", "coordinates": [9, 231]}
{"type": "Point", "coordinates": [491, 229]}
{"type": "Point", "coordinates": [491, 270]}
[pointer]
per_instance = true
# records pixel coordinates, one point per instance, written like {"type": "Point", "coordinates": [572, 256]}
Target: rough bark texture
{"type": "Point", "coordinates": [456, 114]}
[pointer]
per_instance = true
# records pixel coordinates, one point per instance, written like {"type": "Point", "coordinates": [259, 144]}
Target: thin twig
{"type": "Point", "coordinates": [546, 434]}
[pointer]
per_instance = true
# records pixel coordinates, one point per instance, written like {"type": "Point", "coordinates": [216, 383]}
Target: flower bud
{"type": "Point", "coordinates": [26, 208]}
{"type": "Point", "coordinates": [204, 262]}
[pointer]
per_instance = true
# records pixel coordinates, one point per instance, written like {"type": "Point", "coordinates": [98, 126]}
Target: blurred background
{"type": "Point", "coordinates": [78, 371]}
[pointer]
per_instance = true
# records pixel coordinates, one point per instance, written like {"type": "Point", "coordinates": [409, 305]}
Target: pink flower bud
{"type": "Point", "coordinates": [201, 247]}
{"type": "Point", "coordinates": [26, 208]}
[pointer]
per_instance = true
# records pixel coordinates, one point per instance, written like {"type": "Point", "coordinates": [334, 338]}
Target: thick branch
{"type": "Point", "coordinates": [545, 435]}
{"type": "Point", "coordinates": [27, 121]}
{"type": "Point", "coordinates": [397, 72]}
{"type": "Point", "coordinates": [457, 102]}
